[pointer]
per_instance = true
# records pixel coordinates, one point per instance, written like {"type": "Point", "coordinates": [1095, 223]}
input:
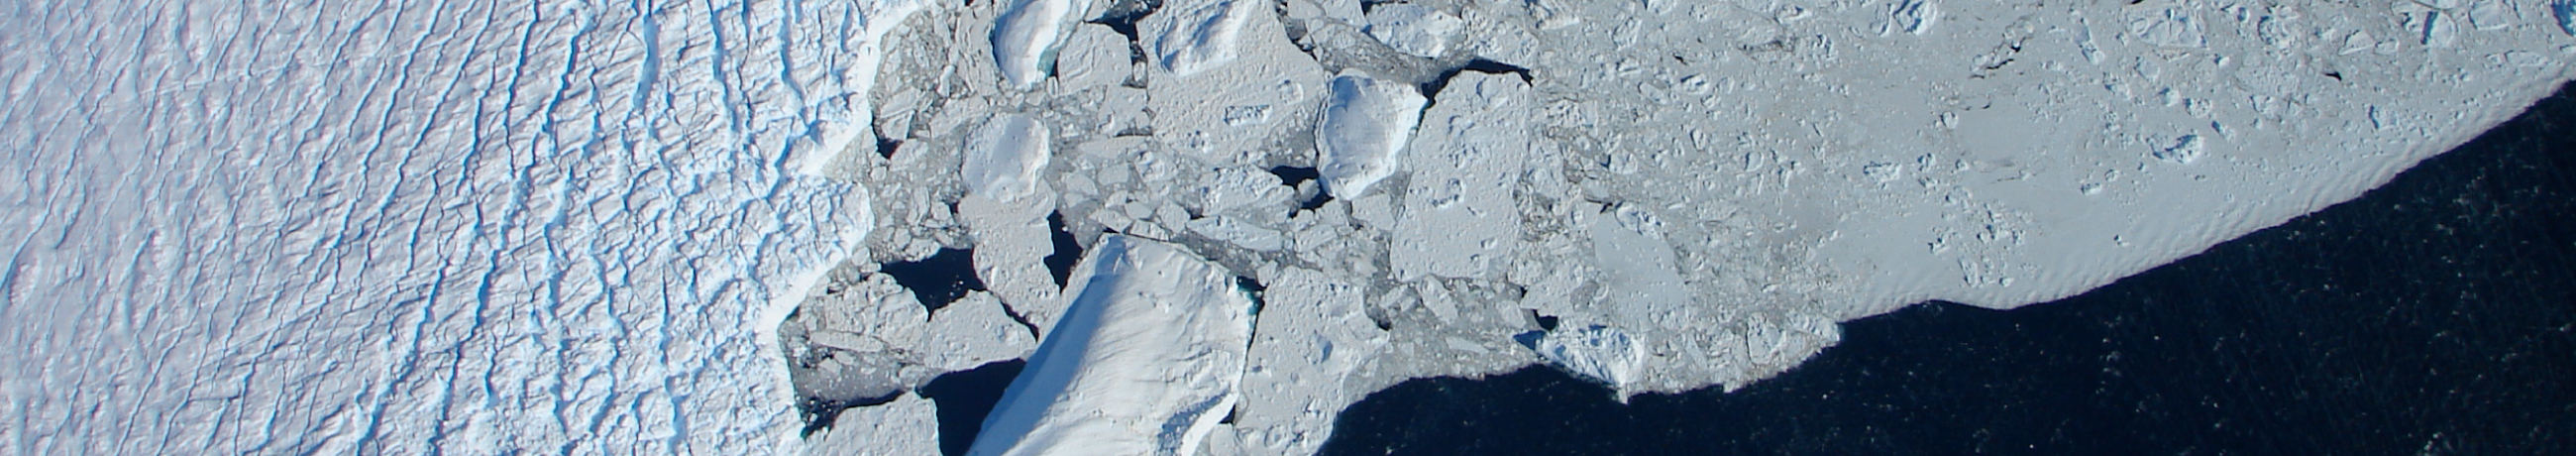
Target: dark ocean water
{"type": "Point", "coordinates": [2435, 315]}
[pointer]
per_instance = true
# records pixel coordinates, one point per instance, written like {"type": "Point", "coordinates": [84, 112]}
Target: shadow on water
{"type": "Point", "coordinates": [964, 397]}
{"type": "Point", "coordinates": [940, 279]}
{"type": "Point", "coordinates": [2435, 315]}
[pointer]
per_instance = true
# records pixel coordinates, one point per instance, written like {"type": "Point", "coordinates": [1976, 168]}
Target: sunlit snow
{"type": "Point", "coordinates": [489, 227]}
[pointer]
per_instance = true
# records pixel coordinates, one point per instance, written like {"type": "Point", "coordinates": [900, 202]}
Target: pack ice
{"type": "Point", "coordinates": [489, 227]}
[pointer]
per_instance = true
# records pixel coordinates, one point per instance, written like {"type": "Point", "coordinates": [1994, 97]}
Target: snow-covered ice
{"type": "Point", "coordinates": [1191, 36]}
{"type": "Point", "coordinates": [1361, 137]}
{"type": "Point", "coordinates": [478, 226]}
{"type": "Point", "coordinates": [406, 227]}
{"type": "Point", "coordinates": [1025, 38]}
{"type": "Point", "coordinates": [1145, 361]}
{"type": "Point", "coordinates": [1004, 158]}
{"type": "Point", "coordinates": [908, 426]}
{"type": "Point", "coordinates": [1600, 353]}
{"type": "Point", "coordinates": [1414, 29]}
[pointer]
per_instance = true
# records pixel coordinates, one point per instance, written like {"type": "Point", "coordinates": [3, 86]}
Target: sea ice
{"type": "Point", "coordinates": [1361, 137]}
{"type": "Point", "coordinates": [1596, 352]}
{"type": "Point", "coordinates": [1145, 361]}
{"type": "Point", "coordinates": [1025, 38]}
{"type": "Point", "coordinates": [1004, 158]}
{"type": "Point", "coordinates": [1191, 36]}
{"type": "Point", "coordinates": [459, 232]}
{"type": "Point", "coordinates": [909, 426]}
{"type": "Point", "coordinates": [1414, 29]}
{"type": "Point", "coordinates": [1460, 219]}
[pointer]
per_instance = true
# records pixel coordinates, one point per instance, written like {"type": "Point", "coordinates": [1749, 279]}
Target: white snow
{"type": "Point", "coordinates": [407, 227]}
{"type": "Point", "coordinates": [1192, 36]}
{"type": "Point", "coordinates": [1093, 56]}
{"type": "Point", "coordinates": [1361, 137]}
{"type": "Point", "coordinates": [1414, 29]}
{"type": "Point", "coordinates": [1004, 157]}
{"type": "Point", "coordinates": [909, 426]}
{"type": "Point", "coordinates": [1145, 361]}
{"type": "Point", "coordinates": [1026, 36]}
{"type": "Point", "coordinates": [480, 228]}
{"type": "Point", "coordinates": [1461, 220]}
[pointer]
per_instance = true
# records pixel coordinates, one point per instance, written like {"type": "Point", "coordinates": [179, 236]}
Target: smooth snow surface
{"type": "Point", "coordinates": [1145, 361]}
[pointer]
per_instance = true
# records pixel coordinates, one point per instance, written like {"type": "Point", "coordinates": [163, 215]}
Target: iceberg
{"type": "Point", "coordinates": [1596, 352]}
{"type": "Point", "coordinates": [1361, 134]}
{"type": "Point", "coordinates": [1145, 360]}
{"type": "Point", "coordinates": [1193, 37]}
{"type": "Point", "coordinates": [1025, 38]}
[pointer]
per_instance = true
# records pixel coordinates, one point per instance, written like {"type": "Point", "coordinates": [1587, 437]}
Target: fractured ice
{"type": "Point", "coordinates": [625, 228]}
{"type": "Point", "coordinates": [1146, 359]}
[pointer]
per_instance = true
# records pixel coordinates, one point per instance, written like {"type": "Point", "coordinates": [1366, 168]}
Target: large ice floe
{"type": "Point", "coordinates": [490, 227]}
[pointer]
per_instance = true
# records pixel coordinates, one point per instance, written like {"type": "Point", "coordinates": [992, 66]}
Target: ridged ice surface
{"type": "Point", "coordinates": [1146, 359]}
{"type": "Point", "coordinates": [466, 226]}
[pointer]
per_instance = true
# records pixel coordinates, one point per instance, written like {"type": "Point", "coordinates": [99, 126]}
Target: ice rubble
{"type": "Point", "coordinates": [1707, 188]}
{"type": "Point", "coordinates": [1145, 361]}
{"type": "Point", "coordinates": [1600, 353]}
{"type": "Point", "coordinates": [867, 338]}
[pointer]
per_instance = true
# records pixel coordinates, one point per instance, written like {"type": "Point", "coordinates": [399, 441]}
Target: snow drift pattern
{"type": "Point", "coordinates": [1145, 361]}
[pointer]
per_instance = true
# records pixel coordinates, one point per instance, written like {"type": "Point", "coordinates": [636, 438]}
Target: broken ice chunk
{"type": "Point", "coordinates": [909, 425]}
{"type": "Point", "coordinates": [1093, 55]}
{"type": "Point", "coordinates": [1198, 35]}
{"type": "Point", "coordinates": [2185, 150]}
{"type": "Point", "coordinates": [1026, 36]}
{"type": "Point", "coordinates": [1363, 129]}
{"type": "Point", "coordinates": [1596, 352]}
{"type": "Point", "coordinates": [1145, 360]}
{"type": "Point", "coordinates": [1004, 158]}
{"type": "Point", "coordinates": [1414, 29]}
